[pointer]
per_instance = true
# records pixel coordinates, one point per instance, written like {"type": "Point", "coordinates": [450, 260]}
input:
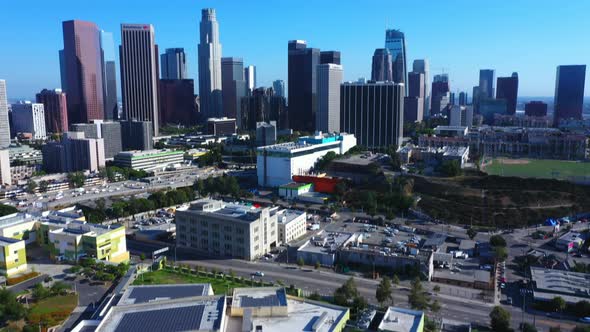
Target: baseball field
{"type": "Point", "coordinates": [536, 168]}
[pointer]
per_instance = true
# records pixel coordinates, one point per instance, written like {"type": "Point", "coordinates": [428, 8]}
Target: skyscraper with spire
{"type": "Point", "coordinates": [210, 65]}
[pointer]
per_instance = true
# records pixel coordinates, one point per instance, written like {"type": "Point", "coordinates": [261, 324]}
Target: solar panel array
{"type": "Point", "coordinates": [274, 300]}
{"type": "Point", "coordinates": [147, 294]}
{"type": "Point", "coordinates": [165, 320]}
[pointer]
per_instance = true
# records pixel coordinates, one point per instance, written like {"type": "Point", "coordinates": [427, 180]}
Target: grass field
{"type": "Point", "coordinates": [537, 168]}
{"type": "Point", "coordinates": [53, 310]}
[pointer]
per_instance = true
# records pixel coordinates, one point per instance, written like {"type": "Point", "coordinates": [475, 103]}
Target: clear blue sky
{"type": "Point", "coordinates": [531, 37]}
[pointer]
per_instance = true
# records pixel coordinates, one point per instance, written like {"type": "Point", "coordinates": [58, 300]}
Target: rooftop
{"type": "Point", "coordinates": [563, 282]}
{"type": "Point", "coordinates": [151, 293]}
{"type": "Point", "coordinates": [15, 219]}
{"type": "Point", "coordinates": [326, 242]}
{"type": "Point", "coordinates": [6, 241]}
{"type": "Point", "coordinates": [259, 297]}
{"type": "Point", "coordinates": [401, 320]}
{"type": "Point", "coordinates": [286, 216]}
{"type": "Point", "coordinates": [227, 210]}
{"type": "Point", "coordinates": [294, 185]}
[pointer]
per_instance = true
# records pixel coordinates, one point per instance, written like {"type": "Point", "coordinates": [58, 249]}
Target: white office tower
{"type": "Point", "coordinates": [4, 123]}
{"type": "Point", "coordinates": [329, 78]}
{"type": "Point", "coordinates": [210, 65]}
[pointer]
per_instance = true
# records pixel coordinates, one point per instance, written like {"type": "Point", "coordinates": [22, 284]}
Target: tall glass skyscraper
{"type": "Point", "coordinates": [381, 70]}
{"type": "Point", "coordinates": [507, 89]}
{"type": "Point", "coordinates": [82, 67]}
{"type": "Point", "coordinates": [173, 64]}
{"type": "Point", "coordinates": [422, 66]}
{"type": "Point", "coordinates": [279, 88]}
{"type": "Point", "coordinates": [109, 76]}
{"type": "Point", "coordinates": [209, 65]}
{"type": "Point", "coordinates": [486, 83]}
{"type": "Point", "coordinates": [302, 69]}
{"type": "Point", "coordinates": [569, 92]}
{"type": "Point", "coordinates": [250, 76]}
{"type": "Point", "coordinates": [233, 87]}
{"type": "Point", "coordinates": [395, 42]}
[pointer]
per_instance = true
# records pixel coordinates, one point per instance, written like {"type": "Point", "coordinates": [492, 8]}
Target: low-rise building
{"type": "Point", "coordinates": [292, 224]}
{"type": "Point", "coordinates": [292, 190]}
{"type": "Point", "coordinates": [13, 257]}
{"type": "Point", "coordinates": [549, 283]}
{"type": "Point", "coordinates": [266, 133]}
{"type": "Point", "coordinates": [569, 241]}
{"type": "Point", "coordinates": [323, 248]}
{"type": "Point", "coordinates": [451, 131]}
{"type": "Point", "coordinates": [221, 126]}
{"type": "Point", "coordinates": [402, 320]}
{"type": "Point", "coordinates": [20, 226]}
{"type": "Point", "coordinates": [229, 230]}
{"type": "Point", "coordinates": [25, 154]}
{"type": "Point", "coordinates": [149, 160]}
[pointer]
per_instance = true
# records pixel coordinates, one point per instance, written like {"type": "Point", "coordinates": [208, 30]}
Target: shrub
{"type": "Point", "coordinates": [21, 278]}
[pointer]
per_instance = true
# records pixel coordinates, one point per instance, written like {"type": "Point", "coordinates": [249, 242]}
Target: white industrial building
{"type": "Point", "coordinates": [276, 164]}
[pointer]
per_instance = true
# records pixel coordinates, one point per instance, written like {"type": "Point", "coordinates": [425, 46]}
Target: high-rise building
{"type": "Point", "coordinates": [395, 42]}
{"type": "Point", "coordinates": [475, 97]}
{"type": "Point", "coordinates": [109, 76]}
{"type": "Point", "coordinates": [488, 108]}
{"type": "Point", "coordinates": [378, 122]}
{"type": "Point", "coordinates": [210, 65]}
{"type": "Point", "coordinates": [279, 88]}
{"type": "Point", "coordinates": [461, 116]}
{"type": "Point", "coordinates": [139, 73]}
{"type": "Point", "coordinates": [329, 78]}
{"type": "Point", "coordinates": [4, 121]}
{"type": "Point", "coordinates": [463, 96]}
{"type": "Point", "coordinates": [486, 83]}
{"type": "Point", "coordinates": [5, 173]}
{"type": "Point", "coordinates": [109, 132]}
{"type": "Point", "coordinates": [29, 117]}
{"type": "Point", "coordinates": [173, 64]}
{"type": "Point", "coordinates": [415, 84]}
{"type": "Point", "coordinates": [422, 66]}
{"type": "Point", "coordinates": [250, 77]}
{"type": "Point", "coordinates": [413, 109]}
{"type": "Point", "coordinates": [74, 153]}
{"type": "Point", "coordinates": [507, 89]}
{"type": "Point", "coordinates": [441, 96]}
{"type": "Point", "coordinates": [256, 108]}
{"type": "Point", "coordinates": [233, 87]}
{"type": "Point", "coordinates": [330, 57]}
{"type": "Point", "coordinates": [381, 70]}
{"type": "Point", "coordinates": [177, 102]}
{"type": "Point", "coordinates": [452, 98]}
{"type": "Point", "coordinates": [266, 133]}
{"type": "Point", "coordinates": [535, 108]}
{"type": "Point", "coordinates": [82, 67]}
{"type": "Point", "coordinates": [302, 69]}
{"type": "Point", "coordinates": [569, 92]}
{"type": "Point", "coordinates": [137, 135]}
{"type": "Point", "coordinates": [56, 110]}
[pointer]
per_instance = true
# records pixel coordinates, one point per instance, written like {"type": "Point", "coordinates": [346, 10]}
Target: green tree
{"type": "Point", "coordinates": [581, 309]}
{"type": "Point", "coordinates": [345, 294]}
{"type": "Point", "coordinates": [76, 179]}
{"type": "Point", "coordinates": [59, 288]}
{"type": "Point", "coordinates": [384, 292]}
{"type": "Point", "coordinates": [450, 168]}
{"type": "Point", "coordinates": [558, 304]}
{"type": "Point", "coordinates": [497, 241]}
{"type": "Point", "coordinates": [300, 262]}
{"type": "Point", "coordinates": [500, 253]}
{"type": "Point", "coordinates": [435, 306]}
{"type": "Point", "coordinates": [43, 186]}
{"type": "Point", "coordinates": [7, 209]}
{"type": "Point", "coordinates": [395, 279]}
{"type": "Point", "coordinates": [436, 289]}
{"type": "Point", "coordinates": [40, 292]}
{"type": "Point", "coordinates": [10, 308]}
{"type": "Point", "coordinates": [317, 265]}
{"type": "Point", "coordinates": [500, 319]}
{"type": "Point", "coordinates": [471, 232]}
{"type": "Point", "coordinates": [528, 327]}
{"type": "Point", "coordinates": [31, 186]}
{"type": "Point", "coordinates": [418, 298]}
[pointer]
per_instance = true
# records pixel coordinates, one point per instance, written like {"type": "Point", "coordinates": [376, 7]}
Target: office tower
{"type": "Point", "coordinates": [488, 108]}
{"type": "Point", "coordinates": [378, 122]}
{"type": "Point", "coordinates": [302, 69]}
{"type": "Point", "coordinates": [415, 84]}
{"type": "Point", "coordinates": [279, 88]}
{"type": "Point", "coordinates": [452, 98]}
{"type": "Point", "coordinates": [535, 108]}
{"type": "Point", "coordinates": [108, 131]}
{"type": "Point", "coordinates": [461, 116]}
{"type": "Point", "coordinates": [486, 83]}
{"type": "Point", "coordinates": [62, 69]}
{"type": "Point", "coordinates": [413, 109]}
{"type": "Point", "coordinates": [266, 133]}
{"type": "Point", "coordinates": [279, 111]}
{"type": "Point", "coordinates": [329, 78]}
{"type": "Point", "coordinates": [55, 109]}
{"type": "Point", "coordinates": [233, 87]}
{"type": "Point", "coordinates": [250, 78]}
{"type": "Point", "coordinates": [475, 97]}
{"type": "Point", "coordinates": [5, 174]}
{"type": "Point", "coordinates": [139, 73]}
{"type": "Point", "coordinates": [209, 65]}
{"type": "Point", "coordinates": [395, 42]}
{"type": "Point", "coordinates": [177, 102]}
{"type": "Point", "coordinates": [422, 66]}
{"type": "Point", "coordinates": [507, 88]}
{"type": "Point", "coordinates": [455, 116]}
{"type": "Point", "coordinates": [330, 57]}
{"type": "Point", "coordinates": [4, 121]}
{"type": "Point", "coordinates": [569, 93]}
{"type": "Point", "coordinates": [381, 70]}
{"type": "Point", "coordinates": [173, 64]}
{"type": "Point", "coordinates": [137, 135]}
{"type": "Point", "coordinates": [463, 96]}
{"type": "Point", "coordinates": [109, 76]}
{"type": "Point", "coordinates": [263, 106]}
{"type": "Point", "coordinates": [73, 153]}
{"type": "Point", "coordinates": [82, 66]}
{"type": "Point", "coordinates": [29, 117]}
{"type": "Point", "coordinates": [440, 94]}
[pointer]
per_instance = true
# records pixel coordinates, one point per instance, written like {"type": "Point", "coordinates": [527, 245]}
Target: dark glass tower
{"type": "Point", "coordinates": [302, 69]}
{"type": "Point", "coordinates": [233, 87]}
{"type": "Point", "coordinates": [395, 42]}
{"type": "Point", "coordinates": [507, 89]}
{"type": "Point", "coordinates": [330, 57]}
{"type": "Point", "coordinates": [381, 67]}
{"type": "Point", "coordinates": [569, 92]}
{"type": "Point", "coordinates": [109, 76]}
{"type": "Point", "coordinates": [173, 64]}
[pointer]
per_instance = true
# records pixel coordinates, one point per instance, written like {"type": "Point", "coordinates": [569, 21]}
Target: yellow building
{"type": "Point", "coordinates": [13, 256]}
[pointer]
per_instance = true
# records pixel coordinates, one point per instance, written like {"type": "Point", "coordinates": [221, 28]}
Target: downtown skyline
{"type": "Point", "coordinates": [451, 47]}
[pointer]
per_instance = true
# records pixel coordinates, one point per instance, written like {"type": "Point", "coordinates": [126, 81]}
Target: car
{"type": "Point", "coordinates": [509, 301]}
{"type": "Point", "coordinates": [502, 285]}
{"type": "Point", "coordinates": [585, 319]}
{"type": "Point", "coordinates": [258, 274]}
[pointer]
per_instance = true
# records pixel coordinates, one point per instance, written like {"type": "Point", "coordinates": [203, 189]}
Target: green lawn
{"type": "Point", "coordinates": [220, 286]}
{"type": "Point", "coordinates": [53, 310]}
{"type": "Point", "coordinates": [538, 168]}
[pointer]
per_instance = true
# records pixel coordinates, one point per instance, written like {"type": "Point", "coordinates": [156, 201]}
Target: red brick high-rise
{"type": "Point", "coordinates": [56, 110]}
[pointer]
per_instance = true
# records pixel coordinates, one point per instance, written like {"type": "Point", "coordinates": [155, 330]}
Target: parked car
{"type": "Point", "coordinates": [258, 274]}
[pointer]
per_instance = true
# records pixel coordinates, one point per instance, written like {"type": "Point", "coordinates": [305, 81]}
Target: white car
{"type": "Point", "coordinates": [258, 274]}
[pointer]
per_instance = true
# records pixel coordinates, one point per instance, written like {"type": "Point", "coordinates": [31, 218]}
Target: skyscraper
{"type": "Point", "coordinates": [486, 83]}
{"type": "Point", "coordinates": [109, 76]}
{"type": "Point", "coordinates": [463, 98]}
{"type": "Point", "coordinates": [177, 102]}
{"type": "Point", "coordinates": [250, 77]}
{"type": "Point", "coordinates": [109, 132]}
{"type": "Point", "coordinates": [535, 108]}
{"type": "Point", "coordinates": [29, 117]}
{"type": "Point", "coordinates": [302, 69]}
{"type": "Point", "coordinates": [422, 66]}
{"type": "Point", "coordinates": [262, 106]}
{"type": "Point", "coordinates": [279, 88]}
{"type": "Point", "coordinates": [569, 92]}
{"type": "Point", "coordinates": [82, 66]}
{"type": "Point", "coordinates": [329, 76]}
{"type": "Point", "coordinates": [4, 122]}
{"type": "Point", "coordinates": [233, 87]}
{"type": "Point", "coordinates": [56, 110]}
{"type": "Point", "coordinates": [209, 65]}
{"type": "Point", "coordinates": [415, 84]}
{"type": "Point", "coordinates": [395, 42]}
{"type": "Point", "coordinates": [381, 67]}
{"type": "Point", "coordinates": [173, 64]}
{"type": "Point", "coordinates": [441, 96]}
{"type": "Point", "coordinates": [330, 57]}
{"type": "Point", "coordinates": [376, 122]}
{"type": "Point", "coordinates": [507, 88]}
{"type": "Point", "coordinates": [139, 73]}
